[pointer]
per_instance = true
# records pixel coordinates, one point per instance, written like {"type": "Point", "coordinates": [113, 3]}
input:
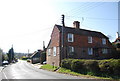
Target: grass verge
{"type": "Point", "coordinates": [49, 67]}
{"type": "Point", "coordinates": [68, 71]}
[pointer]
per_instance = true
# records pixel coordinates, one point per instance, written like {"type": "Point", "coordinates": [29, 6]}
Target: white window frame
{"type": "Point", "coordinates": [89, 39]}
{"type": "Point", "coordinates": [70, 36]}
{"type": "Point", "coordinates": [71, 49]}
{"type": "Point", "coordinates": [54, 51]}
{"type": "Point", "coordinates": [103, 41]}
{"type": "Point", "coordinates": [104, 50]}
{"type": "Point", "coordinates": [49, 52]}
{"type": "Point", "coordinates": [90, 51]}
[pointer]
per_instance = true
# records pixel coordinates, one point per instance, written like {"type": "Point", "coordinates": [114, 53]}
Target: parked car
{"type": "Point", "coordinates": [44, 62]}
{"type": "Point", "coordinates": [28, 60]}
{"type": "Point", "coordinates": [13, 61]}
{"type": "Point", "coordinates": [5, 62]}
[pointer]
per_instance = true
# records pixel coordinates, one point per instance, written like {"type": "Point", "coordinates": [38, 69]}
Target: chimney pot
{"type": "Point", "coordinates": [76, 24]}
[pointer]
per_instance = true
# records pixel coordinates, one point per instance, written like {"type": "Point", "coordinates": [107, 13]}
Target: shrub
{"type": "Point", "coordinates": [91, 65]}
{"type": "Point", "coordinates": [77, 65]}
{"type": "Point", "coordinates": [66, 63]}
{"type": "Point", "coordinates": [108, 67]}
{"type": "Point", "coordinates": [111, 66]}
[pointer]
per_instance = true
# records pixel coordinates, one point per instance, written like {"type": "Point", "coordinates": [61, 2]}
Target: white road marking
{"type": "Point", "coordinates": [5, 76]}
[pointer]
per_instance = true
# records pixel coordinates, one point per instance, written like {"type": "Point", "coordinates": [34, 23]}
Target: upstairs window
{"type": "Point", "coordinates": [103, 41]}
{"type": "Point", "coordinates": [71, 50]}
{"type": "Point", "coordinates": [90, 51]}
{"type": "Point", "coordinates": [49, 51]}
{"type": "Point", "coordinates": [54, 51]}
{"type": "Point", "coordinates": [70, 37]}
{"type": "Point", "coordinates": [89, 39]}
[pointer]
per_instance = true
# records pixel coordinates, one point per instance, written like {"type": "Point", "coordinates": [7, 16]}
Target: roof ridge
{"type": "Point", "coordinates": [81, 31]}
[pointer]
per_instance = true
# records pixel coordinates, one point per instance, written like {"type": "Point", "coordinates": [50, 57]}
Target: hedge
{"type": "Point", "coordinates": [109, 67]}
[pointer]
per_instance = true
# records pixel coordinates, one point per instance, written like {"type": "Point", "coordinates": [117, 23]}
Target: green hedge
{"type": "Point", "coordinates": [109, 67]}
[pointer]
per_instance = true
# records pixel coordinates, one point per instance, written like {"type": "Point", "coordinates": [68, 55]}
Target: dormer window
{"type": "Point", "coordinates": [103, 41]}
{"type": "Point", "coordinates": [89, 39]}
{"type": "Point", "coordinates": [70, 37]}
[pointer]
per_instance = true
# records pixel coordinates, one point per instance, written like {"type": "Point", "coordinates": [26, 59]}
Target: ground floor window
{"type": "Point", "coordinates": [49, 52]}
{"type": "Point", "coordinates": [104, 51]}
{"type": "Point", "coordinates": [70, 50]}
{"type": "Point", "coordinates": [90, 51]}
{"type": "Point", "coordinates": [54, 51]}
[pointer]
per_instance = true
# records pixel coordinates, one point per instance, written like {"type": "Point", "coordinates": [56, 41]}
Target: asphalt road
{"type": "Point", "coordinates": [24, 70]}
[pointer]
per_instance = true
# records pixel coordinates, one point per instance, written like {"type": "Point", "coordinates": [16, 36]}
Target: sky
{"type": "Point", "coordinates": [25, 24]}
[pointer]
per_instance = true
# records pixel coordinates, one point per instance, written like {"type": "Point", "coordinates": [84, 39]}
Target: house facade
{"type": "Point", "coordinates": [74, 42]}
{"type": "Point", "coordinates": [35, 58]}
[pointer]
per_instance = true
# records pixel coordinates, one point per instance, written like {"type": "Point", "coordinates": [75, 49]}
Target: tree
{"type": "Point", "coordinates": [11, 55]}
{"type": "Point", "coordinates": [1, 57]}
{"type": "Point", "coordinates": [118, 45]}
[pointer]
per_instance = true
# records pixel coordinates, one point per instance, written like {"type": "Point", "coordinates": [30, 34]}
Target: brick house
{"type": "Point", "coordinates": [76, 43]}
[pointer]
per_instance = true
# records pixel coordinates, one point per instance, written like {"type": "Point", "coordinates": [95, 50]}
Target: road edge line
{"type": "Point", "coordinates": [5, 76]}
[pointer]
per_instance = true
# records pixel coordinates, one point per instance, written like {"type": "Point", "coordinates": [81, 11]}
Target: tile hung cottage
{"type": "Point", "coordinates": [77, 43]}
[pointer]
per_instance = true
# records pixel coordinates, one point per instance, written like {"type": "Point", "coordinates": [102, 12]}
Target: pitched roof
{"type": "Point", "coordinates": [117, 40]}
{"type": "Point", "coordinates": [81, 31]}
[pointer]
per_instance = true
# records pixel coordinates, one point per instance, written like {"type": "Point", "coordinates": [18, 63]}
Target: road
{"type": "Point", "coordinates": [24, 70]}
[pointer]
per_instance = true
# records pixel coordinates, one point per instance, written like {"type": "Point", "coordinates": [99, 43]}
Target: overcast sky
{"type": "Point", "coordinates": [27, 23]}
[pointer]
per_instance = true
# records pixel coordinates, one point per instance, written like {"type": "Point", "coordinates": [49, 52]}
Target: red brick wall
{"type": "Point", "coordinates": [55, 42]}
{"type": "Point", "coordinates": [80, 43]}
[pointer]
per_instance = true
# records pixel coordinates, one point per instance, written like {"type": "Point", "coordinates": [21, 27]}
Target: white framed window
{"type": "Point", "coordinates": [71, 50]}
{"type": "Point", "coordinates": [89, 39]}
{"type": "Point", "coordinates": [103, 41]}
{"type": "Point", "coordinates": [54, 51]}
{"type": "Point", "coordinates": [104, 51]}
{"type": "Point", "coordinates": [70, 37]}
{"type": "Point", "coordinates": [90, 51]}
{"type": "Point", "coordinates": [49, 52]}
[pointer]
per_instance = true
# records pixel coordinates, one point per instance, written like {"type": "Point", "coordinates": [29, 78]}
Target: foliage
{"type": "Point", "coordinates": [91, 65]}
{"type": "Point", "coordinates": [10, 55]}
{"type": "Point", "coordinates": [118, 45]}
{"type": "Point", "coordinates": [24, 58]}
{"type": "Point", "coordinates": [106, 68]}
{"type": "Point", "coordinates": [66, 63]}
{"type": "Point", "coordinates": [77, 65]}
{"type": "Point", "coordinates": [111, 66]}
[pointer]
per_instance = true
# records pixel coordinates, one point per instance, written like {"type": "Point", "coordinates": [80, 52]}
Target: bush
{"type": "Point", "coordinates": [108, 67]}
{"type": "Point", "coordinates": [111, 66]}
{"type": "Point", "coordinates": [66, 63]}
{"type": "Point", "coordinates": [77, 65]}
{"type": "Point", "coordinates": [91, 65]}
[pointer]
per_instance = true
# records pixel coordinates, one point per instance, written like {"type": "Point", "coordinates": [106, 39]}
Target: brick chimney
{"type": "Point", "coordinates": [76, 24]}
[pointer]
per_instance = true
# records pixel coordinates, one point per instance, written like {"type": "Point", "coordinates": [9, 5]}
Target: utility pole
{"type": "Point", "coordinates": [119, 18]}
{"type": "Point", "coordinates": [44, 45]}
{"type": "Point", "coordinates": [62, 37]}
{"type": "Point", "coordinates": [28, 51]}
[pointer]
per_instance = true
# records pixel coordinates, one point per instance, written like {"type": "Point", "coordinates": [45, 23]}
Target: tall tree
{"type": "Point", "coordinates": [1, 56]}
{"type": "Point", "coordinates": [11, 55]}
